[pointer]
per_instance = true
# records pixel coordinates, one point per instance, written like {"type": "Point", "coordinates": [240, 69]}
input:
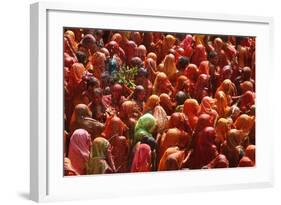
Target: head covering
{"type": "Point", "coordinates": [223, 126]}
{"type": "Point", "coordinates": [150, 65]}
{"type": "Point", "coordinates": [199, 55]}
{"type": "Point", "coordinates": [192, 72]}
{"type": "Point", "coordinates": [120, 153]}
{"type": "Point", "coordinates": [251, 152]}
{"type": "Point", "coordinates": [114, 127]}
{"type": "Point", "coordinates": [142, 159]}
{"type": "Point", "coordinates": [201, 87]}
{"type": "Point", "coordinates": [186, 44]}
{"type": "Point", "coordinates": [144, 127]}
{"type": "Point", "coordinates": [177, 120]}
{"type": "Point", "coordinates": [117, 37]}
{"type": "Point", "coordinates": [204, 67]}
{"type": "Point", "coordinates": [98, 63]}
{"type": "Point", "coordinates": [166, 103]}
{"type": "Point", "coordinates": [68, 168]}
{"type": "Point", "coordinates": [228, 88]}
{"type": "Point", "coordinates": [247, 100]}
{"type": "Point", "coordinates": [204, 120]}
{"type": "Point", "coordinates": [246, 86]}
{"type": "Point", "coordinates": [169, 67]}
{"type": "Point", "coordinates": [76, 74]}
{"type": "Point", "coordinates": [233, 138]}
{"type": "Point", "coordinates": [151, 103]}
{"type": "Point", "coordinates": [161, 84]}
{"type": "Point", "coordinates": [152, 55]}
{"type": "Point", "coordinates": [246, 162]}
{"type": "Point", "coordinates": [244, 123]}
{"type": "Point", "coordinates": [89, 42]}
{"type": "Point", "coordinates": [206, 106]}
{"type": "Point", "coordinates": [173, 137]}
{"type": "Point", "coordinates": [79, 150]}
{"type": "Point", "coordinates": [204, 149]}
{"type": "Point", "coordinates": [172, 159]}
{"type": "Point", "coordinates": [100, 161]}
{"type": "Point", "coordinates": [190, 109]}
{"type": "Point", "coordinates": [219, 162]}
{"type": "Point", "coordinates": [222, 104]}
{"type": "Point", "coordinates": [81, 118]}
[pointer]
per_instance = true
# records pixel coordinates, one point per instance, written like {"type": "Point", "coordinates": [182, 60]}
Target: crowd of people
{"type": "Point", "coordinates": [156, 101]}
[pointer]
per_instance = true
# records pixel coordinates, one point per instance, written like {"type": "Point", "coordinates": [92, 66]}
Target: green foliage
{"type": "Point", "coordinates": [126, 75]}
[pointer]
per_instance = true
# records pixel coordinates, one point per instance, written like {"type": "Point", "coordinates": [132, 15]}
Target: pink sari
{"type": "Point", "coordinates": [79, 150]}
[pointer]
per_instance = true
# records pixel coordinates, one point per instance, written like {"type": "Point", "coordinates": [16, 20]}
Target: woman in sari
{"type": "Point", "coordinates": [114, 127]}
{"type": "Point", "coordinates": [186, 44]}
{"type": "Point", "coordinates": [222, 58]}
{"type": "Point", "coordinates": [190, 109]}
{"type": "Point", "coordinates": [145, 126]}
{"type": "Point", "coordinates": [68, 168]}
{"type": "Point", "coordinates": [151, 67]}
{"type": "Point", "coordinates": [245, 124]}
{"type": "Point", "coordinates": [162, 84]}
{"type": "Point", "coordinates": [167, 104]}
{"type": "Point", "coordinates": [247, 100]}
{"type": "Point", "coordinates": [201, 87]}
{"type": "Point", "coordinates": [168, 66]}
{"type": "Point", "coordinates": [223, 126]}
{"type": "Point", "coordinates": [204, 67]}
{"type": "Point", "coordinates": [219, 162]}
{"type": "Point", "coordinates": [251, 153]}
{"type": "Point", "coordinates": [192, 73]}
{"type": "Point", "coordinates": [173, 137]}
{"type": "Point", "coordinates": [130, 48]}
{"type": "Point", "coordinates": [204, 151]}
{"type": "Point", "coordinates": [229, 89]}
{"type": "Point", "coordinates": [100, 161]}
{"type": "Point", "coordinates": [207, 107]}
{"type": "Point", "coordinates": [199, 55]}
{"type": "Point", "coordinates": [222, 105]}
{"type": "Point", "coordinates": [97, 107]}
{"type": "Point", "coordinates": [231, 147]}
{"type": "Point", "coordinates": [97, 65]}
{"type": "Point", "coordinates": [142, 158]}
{"type": "Point", "coordinates": [81, 118]}
{"type": "Point", "coordinates": [167, 44]}
{"type": "Point", "coordinates": [140, 52]}
{"type": "Point", "coordinates": [172, 159]}
{"type": "Point", "coordinates": [182, 84]}
{"type": "Point", "coordinates": [178, 120]}
{"type": "Point", "coordinates": [79, 150]}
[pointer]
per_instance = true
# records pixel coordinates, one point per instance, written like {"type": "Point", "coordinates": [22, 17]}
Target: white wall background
{"type": "Point", "coordinates": [14, 102]}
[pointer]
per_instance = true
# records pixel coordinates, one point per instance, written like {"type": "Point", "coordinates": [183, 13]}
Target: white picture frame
{"type": "Point", "coordinates": [46, 166]}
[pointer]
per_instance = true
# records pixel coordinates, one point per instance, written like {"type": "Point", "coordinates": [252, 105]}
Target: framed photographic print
{"type": "Point", "coordinates": [123, 97]}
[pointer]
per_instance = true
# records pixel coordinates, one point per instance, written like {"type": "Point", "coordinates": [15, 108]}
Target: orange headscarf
{"type": "Point", "coordinates": [151, 103]}
{"type": "Point", "coordinates": [114, 127]}
{"type": "Point", "coordinates": [222, 104]}
{"type": "Point", "coordinates": [171, 160]}
{"type": "Point", "coordinates": [204, 67]}
{"type": "Point", "coordinates": [251, 152]}
{"type": "Point", "coordinates": [192, 72]}
{"type": "Point", "coordinates": [169, 65]}
{"type": "Point", "coordinates": [190, 109]}
{"type": "Point", "coordinates": [173, 137]}
{"type": "Point", "coordinates": [228, 88]}
{"type": "Point", "coordinates": [76, 74]}
{"type": "Point", "coordinates": [244, 123]}
{"type": "Point", "coordinates": [161, 84]}
{"type": "Point", "coordinates": [223, 126]}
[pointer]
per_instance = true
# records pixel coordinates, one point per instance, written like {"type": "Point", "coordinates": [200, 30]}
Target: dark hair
{"type": "Point", "coordinates": [180, 97]}
{"type": "Point", "coordinates": [142, 72]}
{"type": "Point", "coordinates": [212, 54]}
{"type": "Point", "coordinates": [182, 62]}
{"type": "Point", "coordinates": [81, 57]}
